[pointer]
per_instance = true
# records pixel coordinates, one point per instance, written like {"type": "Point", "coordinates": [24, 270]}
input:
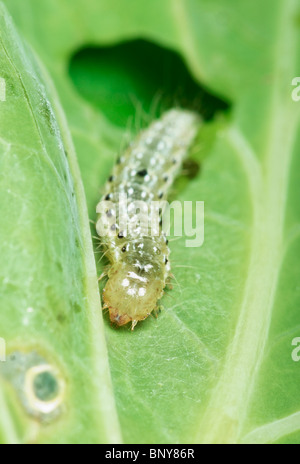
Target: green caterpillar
{"type": "Point", "coordinates": [139, 260]}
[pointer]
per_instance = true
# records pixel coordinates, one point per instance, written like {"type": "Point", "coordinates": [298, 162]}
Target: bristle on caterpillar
{"type": "Point", "coordinates": [139, 262]}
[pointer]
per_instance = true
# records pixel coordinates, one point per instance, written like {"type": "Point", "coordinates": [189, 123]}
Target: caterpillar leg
{"type": "Point", "coordinates": [133, 324]}
{"type": "Point", "coordinates": [169, 284]}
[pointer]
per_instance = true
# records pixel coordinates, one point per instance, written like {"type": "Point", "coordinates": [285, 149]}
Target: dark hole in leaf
{"type": "Point", "coordinates": [122, 79]}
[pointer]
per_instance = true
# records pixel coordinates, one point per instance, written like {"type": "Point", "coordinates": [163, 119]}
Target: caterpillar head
{"type": "Point", "coordinates": [131, 294]}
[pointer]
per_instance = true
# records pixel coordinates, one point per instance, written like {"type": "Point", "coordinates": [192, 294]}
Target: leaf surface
{"type": "Point", "coordinates": [216, 365]}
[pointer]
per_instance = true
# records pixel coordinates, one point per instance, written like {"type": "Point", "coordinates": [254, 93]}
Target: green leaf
{"type": "Point", "coordinates": [216, 365]}
{"type": "Point", "coordinates": [50, 309]}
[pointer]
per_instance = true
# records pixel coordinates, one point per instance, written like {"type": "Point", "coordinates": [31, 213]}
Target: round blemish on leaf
{"type": "Point", "coordinates": [45, 386]}
{"type": "Point", "coordinates": [44, 389]}
{"type": "Point", "coordinates": [39, 385]}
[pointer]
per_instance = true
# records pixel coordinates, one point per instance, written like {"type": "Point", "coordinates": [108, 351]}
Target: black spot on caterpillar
{"type": "Point", "coordinates": [139, 263]}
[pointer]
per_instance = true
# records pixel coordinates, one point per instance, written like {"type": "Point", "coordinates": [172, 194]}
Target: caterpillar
{"type": "Point", "coordinates": [139, 261]}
